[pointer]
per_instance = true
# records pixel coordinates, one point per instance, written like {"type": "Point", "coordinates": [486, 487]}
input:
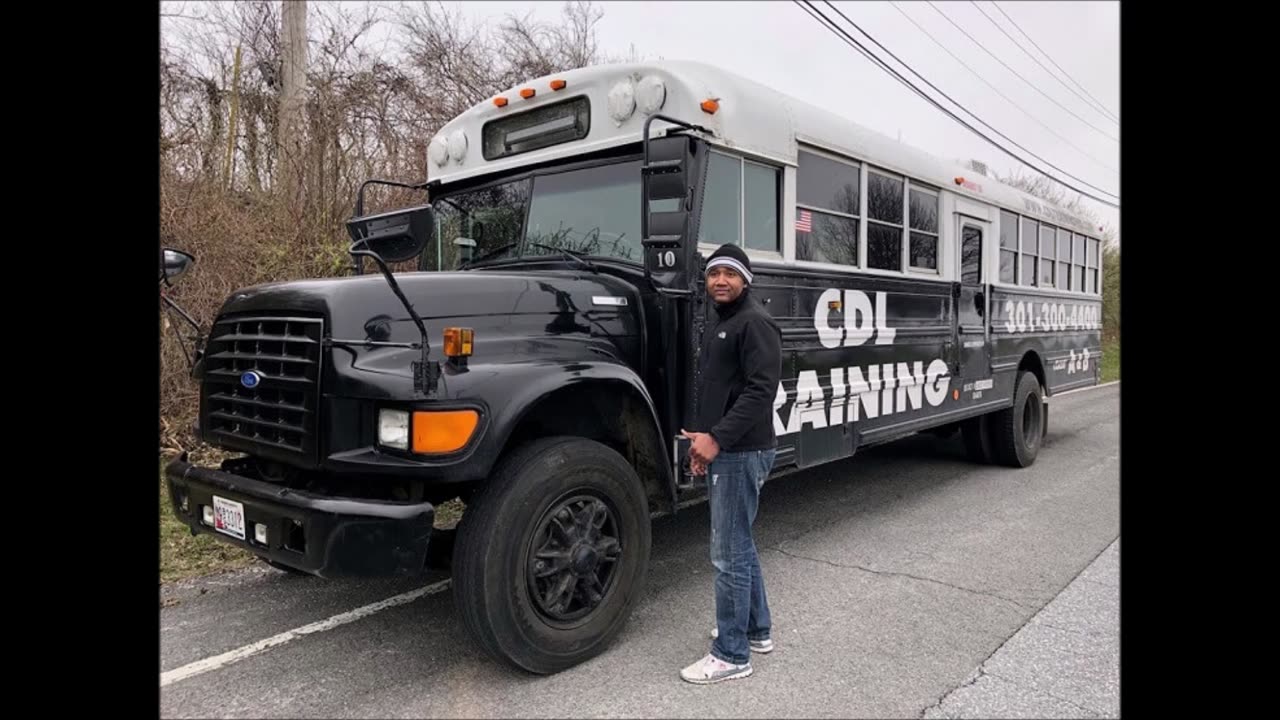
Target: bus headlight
{"type": "Point", "coordinates": [622, 101]}
{"type": "Point", "coordinates": [393, 428]}
{"type": "Point", "coordinates": [439, 151]}
{"type": "Point", "coordinates": [650, 95]}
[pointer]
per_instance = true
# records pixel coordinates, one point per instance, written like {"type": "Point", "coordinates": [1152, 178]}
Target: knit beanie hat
{"type": "Point", "coordinates": [733, 257]}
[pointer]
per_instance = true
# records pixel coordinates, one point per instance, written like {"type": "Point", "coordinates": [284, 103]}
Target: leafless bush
{"type": "Point", "coordinates": [381, 80]}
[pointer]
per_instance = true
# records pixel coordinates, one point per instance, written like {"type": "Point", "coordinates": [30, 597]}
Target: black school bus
{"type": "Point", "coordinates": [539, 361]}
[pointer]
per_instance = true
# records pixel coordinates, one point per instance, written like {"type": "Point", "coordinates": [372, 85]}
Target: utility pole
{"type": "Point", "coordinates": [293, 48]}
{"type": "Point", "coordinates": [229, 166]}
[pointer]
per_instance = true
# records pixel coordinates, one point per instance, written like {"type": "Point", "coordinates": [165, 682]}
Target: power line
{"type": "Point", "coordinates": [849, 40]}
{"type": "Point", "coordinates": [977, 74]}
{"type": "Point", "coordinates": [1092, 105]}
{"type": "Point", "coordinates": [1019, 75]}
{"type": "Point", "coordinates": [1055, 64]}
{"type": "Point", "coordinates": [957, 104]}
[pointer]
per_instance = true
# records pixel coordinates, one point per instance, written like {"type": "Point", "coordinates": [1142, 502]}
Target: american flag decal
{"type": "Point", "coordinates": [804, 220]}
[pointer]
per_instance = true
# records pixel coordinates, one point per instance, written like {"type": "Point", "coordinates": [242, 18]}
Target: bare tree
{"type": "Point", "coordinates": [378, 81]}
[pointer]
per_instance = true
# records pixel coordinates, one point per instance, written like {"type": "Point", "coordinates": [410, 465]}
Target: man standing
{"type": "Point", "coordinates": [733, 445]}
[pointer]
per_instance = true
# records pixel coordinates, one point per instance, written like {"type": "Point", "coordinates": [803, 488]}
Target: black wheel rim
{"type": "Point", "coordinates": [1031, 421]}
{"type": "Point", "coordinates": [573, 558]}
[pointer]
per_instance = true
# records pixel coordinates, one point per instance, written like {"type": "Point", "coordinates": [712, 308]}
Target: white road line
{"type": "Point", "coordinates": [233, 656]}
{"type": "Point", "coordinates": [1087, 389]}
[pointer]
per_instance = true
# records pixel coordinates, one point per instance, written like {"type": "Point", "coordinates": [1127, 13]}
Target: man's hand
{"type": "Point", "coordinates": [704, 448]}
{"type": "Point", "coordinates": [698, 469]}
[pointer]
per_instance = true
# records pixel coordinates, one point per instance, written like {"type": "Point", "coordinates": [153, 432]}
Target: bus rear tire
{"type": "Point", "coordinates": [1019, 430]}
{"type": "Point", "coordinates": [552, 554]}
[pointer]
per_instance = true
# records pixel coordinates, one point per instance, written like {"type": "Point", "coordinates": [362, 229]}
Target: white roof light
{"type": "Point", "coordinates": [622, 101]}
{"type": "Point", "coordinates": [651, 94]}
{"type": "Point", "coordinates": [439, 151]}
{"type": "Point", "coordinates": [458, 145]}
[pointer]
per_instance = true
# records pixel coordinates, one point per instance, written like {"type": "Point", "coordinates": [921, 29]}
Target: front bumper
{"type": "Point", "coordinates": [325, 536]}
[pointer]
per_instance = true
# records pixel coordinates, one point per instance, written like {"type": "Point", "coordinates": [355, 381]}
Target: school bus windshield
{"type": "Point", "coordinates": [592, 211]}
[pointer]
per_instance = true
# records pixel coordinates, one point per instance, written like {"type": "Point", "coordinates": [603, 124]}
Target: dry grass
{"type": "Point", "coordinates": [183, 556]}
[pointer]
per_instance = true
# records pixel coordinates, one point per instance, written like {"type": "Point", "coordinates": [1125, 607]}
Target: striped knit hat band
{"type": "Point", "coordinates": [732, 257]}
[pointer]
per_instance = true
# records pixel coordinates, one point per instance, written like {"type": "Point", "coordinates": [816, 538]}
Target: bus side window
{"type": "Point", "coordinates": [971, 256]}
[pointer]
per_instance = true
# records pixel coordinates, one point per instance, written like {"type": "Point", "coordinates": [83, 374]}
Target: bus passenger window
{"type": "Point", "coordinates": [884, 232]}
{"type": "Point", "coordinates": [1093, 266]}
{"type": "Point", "coordinates": [1030, 257]}
{"type": "Point", "coordinates": [1064, 258]}
{"type": "Point", "coordinates": [740, 204]}
{"type": "Point", "coordinates": [924, 229]}
{"type": "Point", "coordinates": [1077, 263]}
{"type": "Point", "coordinates": [721, 202]}
{"type": "Point", "coordinates": [827, 209]}
{"type": "Point", "coordinates": [1008, 247]}
{"type": "Point", "coordinates": [760, 193]}
{"type": "Point", "coordinates": [1047, 234]}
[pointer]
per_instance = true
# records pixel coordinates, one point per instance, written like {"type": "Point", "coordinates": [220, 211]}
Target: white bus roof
{"type": "Point", "coordinates": [752, 119]}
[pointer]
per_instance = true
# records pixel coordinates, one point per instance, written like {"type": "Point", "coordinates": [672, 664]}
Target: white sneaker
{"type": "Point", "coordinates": [711, 669]}
{"type": "Point", "coordinates": [764, 647]}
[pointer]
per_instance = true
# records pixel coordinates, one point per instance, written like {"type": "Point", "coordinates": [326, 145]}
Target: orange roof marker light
{"type": "Point", "coordinates": [710, 105]}
{"type": "Point", "coordinates": [500, 101]}
{"type": "Point", "coordinates": [527, 93]}
{"type": "Point", "coordinates": [558, 84]}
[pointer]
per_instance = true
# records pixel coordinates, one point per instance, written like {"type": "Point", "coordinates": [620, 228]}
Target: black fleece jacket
{"type": "Point", "coordinates": [740, 365]}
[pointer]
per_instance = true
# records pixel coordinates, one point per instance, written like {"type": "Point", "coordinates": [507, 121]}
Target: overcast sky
{"type": "Point", "coordinates": [780, 45]}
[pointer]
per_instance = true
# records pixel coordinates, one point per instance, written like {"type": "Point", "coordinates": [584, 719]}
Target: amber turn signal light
{"type": "Point", "coordinates": [458, 341]}
{"type": "Point", "coordinates": [443, 431]}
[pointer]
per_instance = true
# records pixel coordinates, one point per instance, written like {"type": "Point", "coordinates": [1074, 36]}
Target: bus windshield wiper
{"type": "Point", "coordinates": [573, 254]}
{"type": "Point", "coordinates": [487, 255]}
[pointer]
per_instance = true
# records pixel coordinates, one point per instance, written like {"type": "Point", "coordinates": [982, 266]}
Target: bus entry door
{"type": "Point", "coordinates": [972, 334]}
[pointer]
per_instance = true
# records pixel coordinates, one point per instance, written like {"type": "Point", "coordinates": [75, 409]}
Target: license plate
{"type": "Point", "coordinates": [228, 517]}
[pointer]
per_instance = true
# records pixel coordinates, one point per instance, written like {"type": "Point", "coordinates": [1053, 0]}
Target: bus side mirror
{"type": "Point", "coordinates": [666, 178]}
{"type": "Point", "coordinates": [395, 236]}
{"type": "Point", "coordinates": [174, 263]}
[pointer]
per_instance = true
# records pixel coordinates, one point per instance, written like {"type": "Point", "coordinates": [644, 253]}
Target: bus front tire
{"type": "Point", "coordinates": [1018, 431]}
{"type": "Point", "coordinates": [552, 554]}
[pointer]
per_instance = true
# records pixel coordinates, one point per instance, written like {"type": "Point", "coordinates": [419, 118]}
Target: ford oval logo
{"type": "Point", "coordinates": [251, 379]}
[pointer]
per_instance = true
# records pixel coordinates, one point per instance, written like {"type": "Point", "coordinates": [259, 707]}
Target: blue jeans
{"type": "Point", "coordinates": [742, 610]}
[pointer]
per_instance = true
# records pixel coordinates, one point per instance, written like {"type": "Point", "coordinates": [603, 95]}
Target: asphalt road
{"type": "Point", "coordinates": [892, 577]}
